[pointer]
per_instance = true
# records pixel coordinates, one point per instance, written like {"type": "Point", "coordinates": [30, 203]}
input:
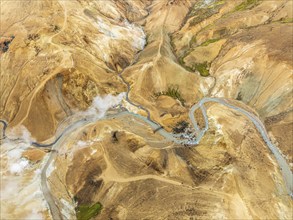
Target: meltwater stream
{"type": "Point", "coordinates": [285, 168]}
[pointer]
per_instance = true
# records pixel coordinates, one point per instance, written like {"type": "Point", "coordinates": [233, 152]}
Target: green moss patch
{"type": "Point", "coordinates": [86, 212]}
{"type": "Point", "coordinates": [287, 20]}
{"type": "Point", "coordinates": [210, 41]}
{"type": "Point", "coordinates": [202, 68]}
{"type": "Point", "coordinates": [172, 91]}
{"type": "Point", "coordinates": [248, 4]}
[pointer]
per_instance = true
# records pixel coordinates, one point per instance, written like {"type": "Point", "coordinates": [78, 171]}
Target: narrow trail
{"type": "Point", "coordinates": [129, 88]}
{"type": "Point", "coordinates": [55, 212]}
{"type": "Point", "coordinates": [285, 168]}
{"type": "Point", "coordinates": [32, 95]}
{"type": "Point", "coordinates": [155, 60]}
{"type": "Point", "coordinates": [198, 134]}
{"type": "Point", "coordinates": [110, 174]}
{"type": "Point", "coordinates": [145, 177]}
{"type": "Point", "coordinates": [170, 137]}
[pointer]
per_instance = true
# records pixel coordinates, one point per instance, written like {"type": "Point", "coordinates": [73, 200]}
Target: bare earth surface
{"type": "Point", "coordinates": [66, 144]}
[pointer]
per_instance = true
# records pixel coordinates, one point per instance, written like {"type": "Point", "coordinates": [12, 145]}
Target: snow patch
{"type": "Point", "coordinates": [16, 164]}
{"type": "Point", "coordinates": [219, 132]}
{"type": "Point", "coordinates": [14, 154]}
{"type": "Point", "coordinates": [204, 89]}
{"type": "Point", "coordinates": [15, 180]}
{"type": "Point", "coordinates": [94, 151]}
{"type": "Point", "coordinates": [38, 172]}
{"type": "Point", "coordinates": [67, 209]}
{"type": "Point", "coordinates": [20, 132]}
{"type": "Point", "coordinates": [101, 104]}
{"type": "Point", "coordinates": [112, 34]}
{"type": "Point", "coordinates": [81, 143]}
{"type": "Point", "coordinates": [50, 169]}
{"type": "Point", "coordinates": [18, 168]}
{"type": "Point", "coordinates": [130, 107]}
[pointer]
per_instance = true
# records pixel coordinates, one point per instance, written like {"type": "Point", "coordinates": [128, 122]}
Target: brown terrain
{"type": "Point", "coordinates": [57, 56]}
